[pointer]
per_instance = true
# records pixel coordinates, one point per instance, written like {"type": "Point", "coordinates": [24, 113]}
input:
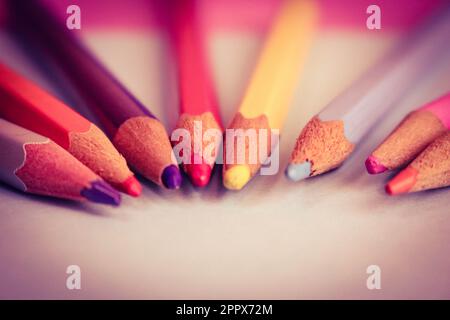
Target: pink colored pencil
{"type": "Point", "coordinates": [417, 130]}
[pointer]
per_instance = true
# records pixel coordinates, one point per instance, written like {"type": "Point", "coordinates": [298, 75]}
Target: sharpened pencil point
{"type": "Point", "coordinates": [131, 186]}
{"type": "Point", "coordinates": [101, 192]}
{"type": "Point", "coordinates": [199, 173]}
{"type": "Point", "coordinates": [236, 177]}
{"type": "Point", "coordinates": [171, 177]}
{"type": "Point", "coordinates": [374, 166]}
{"type": "Point", "coordinates": [403, 182]}
{"type": "Point", "coordinates": [300, 171]}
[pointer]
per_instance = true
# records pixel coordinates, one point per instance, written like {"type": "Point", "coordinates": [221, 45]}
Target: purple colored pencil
{"type": "Point", "coordinates": [134, 130]}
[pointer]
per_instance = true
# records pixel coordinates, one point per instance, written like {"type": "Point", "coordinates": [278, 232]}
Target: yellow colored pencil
{"type": "Point", "coordinates": [270, 91]}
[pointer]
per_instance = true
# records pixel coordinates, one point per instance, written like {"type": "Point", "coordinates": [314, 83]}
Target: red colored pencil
{"type": "Point", "coordinates": [137, 134]}
{"type": "Point", "coordinates": [25, 104]}
{"type": "Point", "coordinates": [35, 164]}
{"type": "Point", "coordinates": [430, 170]}
{"type": "Point", "coordinates": [198, 100]}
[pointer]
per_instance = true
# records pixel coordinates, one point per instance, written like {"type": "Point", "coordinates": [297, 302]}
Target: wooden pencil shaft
{"type": "Point", "coordinates": [433, 165]}
{"type": "Point", "coordinates": [378, 90]}
{"type": "Point", "coordinates": [12, 155]}
{"type": "Point", "coordinates": [273, 82]}
{"type": "Point", "coordinates": [271, 87]}
{"type": "Point", "coordinates": [418, 129]}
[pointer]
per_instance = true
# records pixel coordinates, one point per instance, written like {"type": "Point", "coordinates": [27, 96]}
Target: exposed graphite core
{"type": "Point", "coordinates": [323, 145]}
{"type": "Point", "coordinates": [101, 192]}
{"type": "Point", "coordinates": [171, 177]}
{"type": "Point", "coordinates": [199, 173]}
{"type": "Point", "coordinates": [297, 172]}
{"type": "Point", "coordinates": [236, 177]}
{"type": "Point", "coordinates": [131, 186]}
{"type": "Point", "coordinates": [374, 166]}
{"type": "Point", "coordinates": [403, 182]}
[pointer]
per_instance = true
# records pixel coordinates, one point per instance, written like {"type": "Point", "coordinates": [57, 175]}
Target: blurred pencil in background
{"type": "Point", "coordinates": [411, 136]}
{"type": "Point", "coordinates": [35, 164]}
{"type": "Point", "coordinates": [271, 88]}
{"type": "Point", "coordinates": [198, 101]}
{"type": "Point", "coordinates": [430, 170]}
{"type": "Point", "coordinates": [27, 105]}
{"type": "Point", "coordinates": [331, 136]}
{"type": "Point", "coordinates": [137, 134]}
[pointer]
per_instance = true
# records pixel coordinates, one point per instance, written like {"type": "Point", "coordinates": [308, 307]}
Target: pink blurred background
{"type": "Point", "coordinates": [252, 15]}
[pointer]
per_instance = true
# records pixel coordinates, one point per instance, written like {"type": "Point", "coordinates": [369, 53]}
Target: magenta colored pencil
{"type": "Point", "coordinates": [417, 130]}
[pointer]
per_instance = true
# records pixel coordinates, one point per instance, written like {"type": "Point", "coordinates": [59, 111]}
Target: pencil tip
{"type": "Point", "coordinates": [299, 171]}
{"type": "Point", "coordinates": [374, 166]}
{"type": "Point", "coordinates": [171, 177]}
{"type": "Point", "coordinates": [403, 182]}
{"type": "Point", "coordinates": [236, 177]}
{"type": "Point", "coordinates": [131, 186]}
{"type": "Point", "coordinates": [101, 192]}
{"type": "Point", "coordinates": [199, 174]}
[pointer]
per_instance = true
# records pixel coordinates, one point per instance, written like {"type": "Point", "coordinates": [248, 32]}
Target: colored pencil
{"type": "Point", "coordinates": [35, 164]}
{"type": "Point", "coordinates": [25, 104]}
{"type": "Point", "coordinates": [412, 135]}
{"type": "Point", "coordinates": [430, 170]}
{"type": "Point", "coordinates": [198, 100]}
{"type": "Point", "coordinates": [137, 134]}
{"type": "Point", "coordinates": [331, 136]}
{"type": "Point", "coordinates": [270, 91]}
